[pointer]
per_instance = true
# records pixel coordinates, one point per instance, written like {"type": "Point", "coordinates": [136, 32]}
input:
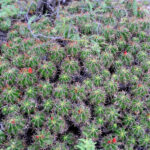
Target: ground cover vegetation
{"type": "Point", "coordinates": [74, 75]}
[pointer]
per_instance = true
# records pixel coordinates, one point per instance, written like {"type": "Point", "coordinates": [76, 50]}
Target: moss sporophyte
{"type": "Point", "coordinates": [80, 111]}
{"type": "Point", "coordinates": [39, 136]}
{"type": "Point", "coordinates": [12, 121]}
{"type": "Point", "coordinates": [30, 70]}
{"type": "Point", "coordinates": [125, 53]}
{"type": "Point", "coordinates": [113, 141]}
{"type": "Point", "coordinates": [139, 85]}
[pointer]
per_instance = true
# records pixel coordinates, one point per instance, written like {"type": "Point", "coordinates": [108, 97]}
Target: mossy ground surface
{"type": "Point", "coordinates": [82, 73]}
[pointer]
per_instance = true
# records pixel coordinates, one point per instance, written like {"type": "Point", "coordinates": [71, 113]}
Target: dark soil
{"type": "Point", "coordinates": [29, 132]}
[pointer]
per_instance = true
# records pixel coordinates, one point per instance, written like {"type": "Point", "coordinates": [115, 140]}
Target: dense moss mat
{"type": "Point", "coordinates": [81, 74]}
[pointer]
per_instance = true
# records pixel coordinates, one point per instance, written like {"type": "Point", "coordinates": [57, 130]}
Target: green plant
{"type": "Point", "coordinates": [88, 28]}
{"type": "Point", "coordinates": [97, 79]}
{"type": "Point", "coordinates": [44, 89]}
{"type": "Point", "coordinates": [96, 49]}
{"type": "Point", "coordinates": [136, 71]}
{"type": "Point", "coordinates": [97, 96]}
{"type": "Point", "coordinates": [133, 27]}
{"type": "Point", "coordinates": [80, 114]}
{"type": "Point", "coordinates": [105, 74]}
{"type": "Point", "coordinates": [99, 110]}
{"type": "Point", "coordinates": [80, 19]}
{"type": "Point", "coordinates": [137, 105]}
{"type": "Point", "coordinates": [134, 79]}
{"type": "Point", "coordinates": [26, 43]}
{"type": "Point", "coordinates": [142, 35]}
{"type": "Point", "coordinates": [2, 136]}
{"type": "Point", "coordinates": [70, 66]}
{"type": "Point", "coordinates": [111, 114]}
{"type": "Point", "coordinates": [63, 107]}
{"type": "Point", "coordinates": [10, 94]}
{"type": "Point", "coordinates": [131, 142]}
{"type": "Point", "coordinates": [146, 65]}
{"type": "Point", "coordinates": [56, 123]}
{"type": "Point", "coordinates": [140, 90]}
{"type": "Point", "coordinates": [144, 140]}
{"type": "Point", "coordinates": [110, 87]}
{"type": "Point", "coordinates": [146, 79]}
{"type": "Point", "coordinates": [38, 119]}
{"type": "Point", "coordinates": [31, 92]}
{"type": "Point", "coordinates": [68, 138]}
{"type": "Point", "coordinates": [5, 110]}
{"type": "Point", "coordinates": [124, 75]}
{"type": "Point", "coordinates": [43, 138]}
{"type": "Point", "coordinates": [61, 91]}
{"type": "Point", "coordinates": [5, 25]}
{"type": "Point", "coordinates": [141, 56]}
{"type": "Point", "coordinates": [113, 49]}
{"type": "Point", "coordinates": [65, 78]}
{"type": "Point", "coordinates": [86, 52]}
{"type": "Point", "coordinates": [129, 120]}
{"type": "Point", "coordinates": [47, 70]}
{"type": "Point", "coordinates": [106, 6]}
{"type": "Point", "coordinates": [59, 146]}
{"type": "Point", "coordinates": [14, 144]}
{"type": "Point", "coordinates": [85, 144]}
{"type": "Point", "coordinates": [10, 50]}
{"type": "Point", "coordinates": [48, 105]}
{"type": "Point", "coordinates": [88, 84]}
{"type": "Point", "coordinates": [108, 33]}
{"type": "Point", "coordinates": [57, 53]}
{"type": "Point", "coordinates": [122, 100]}
{"type": "Point", "coordinates": [4, 65]}
{"type": "Point", "coordinates": [65, 28]}
{"type": "Point", "coordinates": [121, 44]}
{"type": "Point", "coordinates": [127, 58]}
{"type": "Point", "coordinates": [74, 8]}
{"type": "Point", "coordinates": [25, 78]}
{"type": "Point", "coordinates": [108, 143]}
{"type": "Point", "coordinates": [93, 64]}
{"type": "Point", "coordinates": [118, 64]}
{"type": "Point", "coordinates": [73, 48]}
{"type": "Point", "coordinates": [12, 34]}
{"type": "Point", "coordinates": [9, 10]}
{"type": "Point", "coordinates": [18, 61]}
{"type": "Point", "coordinates": [107, 59]}
{"type": "Point", "coordinates": [14, 124]}
{"type": "Point", "coordinates": [77, 92]}
{"type": "Point", "coordinates": [121, 134]}
{"type": "Point", "coordinates": [138, 129]}
{"type": "Point", "coordinates": [115, 77]}
{"type": "Point", "coordinates": [31, 61]}
{"type": "Point", "coordinates": [134, 7]}
{"type": "Point", "coordinates": [10, 75]}
{"type": "Point", "coordinates": [27, 106]}
{"type": "Point", "coordinates": [91, 131]}
{"type": "Point", "coordinates": [13, 109]}
{"type": "Point", "coordinates": [82, 68]}
{"type": "Point", "coordinates": [100, 120]}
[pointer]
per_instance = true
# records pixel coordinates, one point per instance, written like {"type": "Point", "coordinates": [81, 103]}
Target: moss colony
{"type": "Point", "coordinates": [89, 89]}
